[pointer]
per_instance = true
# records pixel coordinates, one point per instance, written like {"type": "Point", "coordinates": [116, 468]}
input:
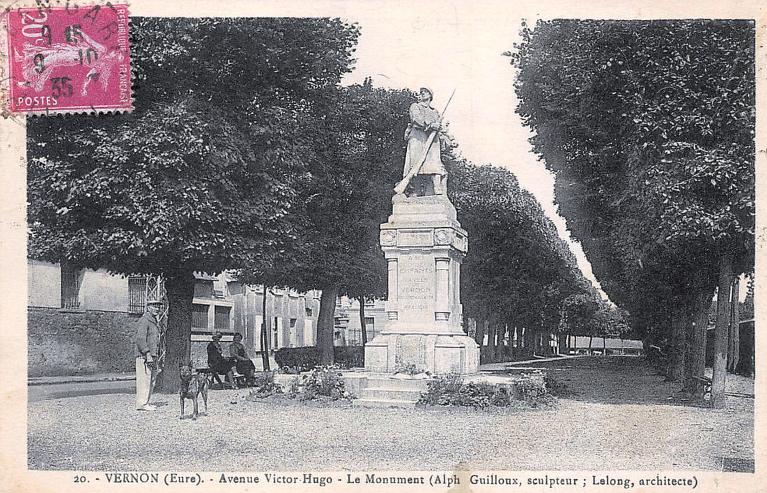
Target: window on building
{"type": "Point", "coordinates": [370, 327]}
{"type": "Point", "coordinates": [354, 337]}
{"type": "Point", "coordinates": [292, 333]}
{"type": "Point", "coordinates": [219, 289]}
{"type": "Point", "coordinates": [200, 316]}
{"type": "Point", "coordinates": [70, 286]}
{"type": "Point", "coordinates": [222, 318]}
{"type": "Point", "coordinates": [136, 294]}
{"type": "Point", "coordinates": [275, 332]}
{"type": "Point", "coordinates": [308, 311]}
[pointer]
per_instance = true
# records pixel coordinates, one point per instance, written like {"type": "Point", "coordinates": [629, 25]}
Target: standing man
{"type": "Point", "coordinates": [147, 349]}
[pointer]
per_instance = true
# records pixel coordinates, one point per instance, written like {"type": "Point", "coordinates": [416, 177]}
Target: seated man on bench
{"type": "Point", "coordinates": [244, 364]}
{"type": "Point", "coordinates": [218, 364]}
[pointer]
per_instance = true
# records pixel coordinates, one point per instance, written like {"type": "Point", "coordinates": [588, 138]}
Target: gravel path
{"type": "Point", "coordinates": [103, 432]}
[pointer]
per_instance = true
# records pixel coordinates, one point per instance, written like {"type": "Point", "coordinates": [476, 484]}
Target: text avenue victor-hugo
{"type": "Point", "coordinates": [436, 479]}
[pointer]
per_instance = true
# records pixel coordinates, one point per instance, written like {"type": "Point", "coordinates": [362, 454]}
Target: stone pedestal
{"type": "Point", "coordinates": [424, 246]}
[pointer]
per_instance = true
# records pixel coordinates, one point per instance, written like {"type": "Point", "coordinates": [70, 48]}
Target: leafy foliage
{"type": "Point", "coordinates": [206, 172]}
{"type": "Point", "coordinates": [358, 154]}
{"type": "Point", "coordinates": [451, 390]}
{"type": "Point", "coordinates": [323, 381]}
{"type": "Point", "coordinates": [517, 268]}
{"type": "Point", "coordinates": [358, 151]}
{"type": "Point", "coordinates": [203, 173]}
{"type": "Point", "coordinates": [649, 129]}
{"type": "Point", "coordinates": [300, 359]}
{"type": "Point", "coordinates": [265, 386]}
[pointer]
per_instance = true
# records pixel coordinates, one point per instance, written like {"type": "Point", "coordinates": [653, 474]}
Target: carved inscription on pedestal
{"type": "Point", "coordinates": [412, 238]}
{"type": "Point", "coordinates": [416, 283]}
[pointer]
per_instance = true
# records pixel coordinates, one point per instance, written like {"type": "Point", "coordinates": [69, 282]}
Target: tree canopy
{"type": "Point", "coordinates": [518, 271]}
{"type": "Point", "coordinates": [649, 129]}
{"type": "Point", "coordinates": [205, 173]}
{"type": "Point", "coordinates": [202, 175]}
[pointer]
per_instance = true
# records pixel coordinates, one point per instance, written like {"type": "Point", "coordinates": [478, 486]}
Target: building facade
{"type": "Point", "coordinates": [348, 326]}
{"type": "Point", "coordinates": [82, 321]}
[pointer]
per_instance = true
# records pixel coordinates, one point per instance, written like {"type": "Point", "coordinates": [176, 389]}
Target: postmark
{"type": "Point", "coordinates": [68, 59]}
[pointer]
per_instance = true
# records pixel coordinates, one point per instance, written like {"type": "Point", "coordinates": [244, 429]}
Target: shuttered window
{"type": "Point", "coordinates": [70, 287]}
{"type": "Point", "coordinates": [222, 318]}
{"type": "Point", "coordinates": [136, 294]}
{"type": "Point", "coordinates": [200, 316]}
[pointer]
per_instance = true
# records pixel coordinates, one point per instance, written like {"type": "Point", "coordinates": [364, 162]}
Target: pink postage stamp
{"type": "Point", "coordinates": [67, 59]}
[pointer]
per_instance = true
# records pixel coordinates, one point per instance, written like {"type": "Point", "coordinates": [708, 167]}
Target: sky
{"type": "Point", "coordinates": [448, 50]}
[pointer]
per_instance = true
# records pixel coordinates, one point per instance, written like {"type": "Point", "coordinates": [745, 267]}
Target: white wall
{"type": "Point", "coordinates": [101, 290]}
{"type": "Point", "coordinates": [43, 284]}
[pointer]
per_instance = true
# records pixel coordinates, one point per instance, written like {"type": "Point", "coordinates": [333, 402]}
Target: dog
{"type": "Point", "coordinates": [193, 385]}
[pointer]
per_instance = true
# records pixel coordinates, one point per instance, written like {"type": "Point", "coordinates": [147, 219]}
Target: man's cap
{"type": "Point", "coordinates": [428, 89]}
{"type": "Point", "coordinates": [154, 302]}
{"type": "Point", "coordinates": [217, 335]}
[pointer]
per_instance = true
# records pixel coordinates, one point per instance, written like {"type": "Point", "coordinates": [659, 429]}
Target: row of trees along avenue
{"type": "Point", "coordinates": [258, 161]}
{"type": "Point", "coordinates": [519, 274]}
{"type": "Point", "coordinates": [649, 130]}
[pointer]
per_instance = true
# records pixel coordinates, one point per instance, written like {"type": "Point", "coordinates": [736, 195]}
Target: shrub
{"type": "Point", "coordinates": [265, 386]}
{"type": "Point", "coordinates": [301, 359]}
{"type": "Point", "coordinates": [297, 359]}
{"type": "Point", "coordinates": [321, 381]}
{"type": "Point", "coordinates": [450, 390]}
{"type": "Point", "coordinates": [349, 356]}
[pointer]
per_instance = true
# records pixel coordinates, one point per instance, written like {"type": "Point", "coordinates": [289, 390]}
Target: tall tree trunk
{"type": "Point", "coordinates": [479, 333]}
{"type": "Point", "coordinates": [178, 337]}
{"type": "Point", "coordinates": [363, 325]}
{"type": "Point", "coordinates": [563, 340]}
{"type": "Point", "coordinates": [718, 399]}
{"type": "Point", "coordinates": [591, 338]}
{"type": "Point", "coordinates": [696, 354]}
{"type": "Point", "coordinates": [500, 348]}
{"type": "Point", "coordinates": [325, 324]}
{"type": "Point", "coordinates": [675, 371]}
{"type": "Point", "coordinates": [491, 334]}
{"type": "Point", "coordinates": [265, 339]}
{"type": "Point", "coordinates": [733, 353]}
{"type": "Point", "coordinates": [746, 359]}
{"type": "Point", "coordinates": [529, 340]}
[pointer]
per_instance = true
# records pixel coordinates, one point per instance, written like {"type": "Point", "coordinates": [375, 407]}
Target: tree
{"type": "Point", "coordinates": [609, 322]}
{"type": "Point", "coordinates": [648, 128]}
{"type": "Point", "coordinates": [577, 315]}
{"type": "Point", "coordinates": [359, 152]}
{"type": "Point", "coordinates": [517, 271]}
{"type": "Point", "coordinates": [205, 173]}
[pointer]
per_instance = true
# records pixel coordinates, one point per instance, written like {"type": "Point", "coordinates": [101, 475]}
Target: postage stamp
{"type": "Point", "coordinates": [67, 59]}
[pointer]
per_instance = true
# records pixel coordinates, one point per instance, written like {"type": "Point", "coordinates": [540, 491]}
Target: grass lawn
{"type": "Point", "coordinates": [619, 417]}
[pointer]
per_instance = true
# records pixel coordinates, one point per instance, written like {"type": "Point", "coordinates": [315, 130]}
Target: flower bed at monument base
{"type": "Point", "coordinates": [526, 390]}
{"type": "Point", "coordinates": [478, 391]}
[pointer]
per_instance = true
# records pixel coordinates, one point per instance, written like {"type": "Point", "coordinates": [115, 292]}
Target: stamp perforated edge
{"type": "Point", "coordinates": [5, 69]}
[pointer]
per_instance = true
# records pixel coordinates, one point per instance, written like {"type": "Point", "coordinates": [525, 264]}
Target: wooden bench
{"type": "Point", "coordinates": [240, 380]}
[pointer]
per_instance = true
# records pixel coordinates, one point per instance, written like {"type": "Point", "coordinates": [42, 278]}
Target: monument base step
{"type": "Point", "coordinates": [386, 391]}
{"type": "Point", "coordinates": [391, 394]}
{"type": "Point", "coordinates": [395, 383]}
{"type": "Point", "coordinates": [383, 403]}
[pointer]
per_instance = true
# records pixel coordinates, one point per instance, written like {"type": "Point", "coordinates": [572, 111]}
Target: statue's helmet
{"type": "Point", "coordinates": [427, 89]}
